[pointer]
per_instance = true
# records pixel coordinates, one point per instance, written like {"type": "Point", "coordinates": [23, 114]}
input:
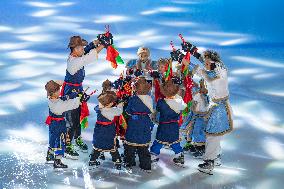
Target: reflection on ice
{"type": "Point", "coordinates": [257, 116]}
{"type": "Point", "coordinates": [274, 93]}
{"type": "Point", "coordinates": [48, 5]}
{"type": "Point", "coordinates": [258, 61]}
{"type": "Point", "coordinates": [264, 76]}
{"type": "Point", "coordinates": [233, 42]}
{"type": "Point", "coordinates": [187, 2]}
{"type": "Point", "coordinates": [246, 71]}
{"type": "Point", "coordinates": [274, 148]}
{"type": "Point", "coordinates": [87, 177]}
{"type": "Point", "coordinates": [112, 19]}
{"type": "Point", "coordinates": [13, 46]}
{"type": "Point", "coordinates": [178, 23]}
{"type": "Point", "coordinates": [219, 34]}
{"type": "Point", "coordinates": [163, 9]}
{"type": "Point", "coordinates": [44, 13]}
{"type": "Point", "coordinates": [24, 71]}
{"type": "Point", "coordinates": [20, 100]}
{"type": "Point", "coordinates": [9, 86]}
{"type": "Point", "coordinates": [5, 28]}
{"type": "Point", "coordinates": [37, 37]}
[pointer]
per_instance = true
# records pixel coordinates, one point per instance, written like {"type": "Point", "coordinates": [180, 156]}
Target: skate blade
{"type": "Point", "coordinates": [217, 164]}
{"type": "Point", "coordinates": [209, 172]}
{"type": "Point", "coordinates": [93, 167]}
{"type": "Point", "coordinates": [197, 157]}
{"type": "Point", "coordinates": [129, 170]}
{"type": "Point", "coordinates": [146, 171]}
{"type": "Point", "coordinates": [155, 161]}
{"type": "Point", "coordinates": [71, 157]}
{"type": "Point", "coordinates": [179, 165]}
{"type": "Point", "coordinates": [84, 151]}
{"type": "Point", "coordinates": [79, 149]}
{"type": "Point", "coordinates": [60, 169]}
{"type": "Point", "coordinates": [49, 162]}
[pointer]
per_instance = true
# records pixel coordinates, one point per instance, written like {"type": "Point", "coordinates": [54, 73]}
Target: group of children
{"type": "Point", "coordinates": [130, 107]}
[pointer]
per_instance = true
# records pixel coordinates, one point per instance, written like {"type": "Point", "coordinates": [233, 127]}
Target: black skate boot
{"type": "Point", "coordinates": [199, 152]}
{"type": "Point", "coordinates": [117, 164]}
{"type": "Point", "coordinates": [102, 156]}
{"type": "Point", "coordinates": [49, 157]}
{"type": "Point", "coordinates": [58, 164]}
{"type": "Point", "coordinates": [93, 161]}
{"type": "Point", "coordinates": [70, 153]}
{"type": "Point", "coordinates": [189, 147]}
{"type": "Point", "coordinates": [206, 167]}
{"type": "Point", "coordinates": [217, 161]}
{"type": "Point", "coordinates": [81, 145]}
{"type": "Point", "coordinates": [179, 160]}
{"type": "Point", "coordinates": [154, 158]}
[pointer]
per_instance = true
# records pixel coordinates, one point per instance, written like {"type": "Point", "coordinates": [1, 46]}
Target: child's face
{"type": "Point", "coordinates": [207, 63]}
{"type": "Point", "coordinates": [162, 68]}
{"type": "Point", "coordinates": [109, 105]}
{"type": "Point", "coordinates": [143, 56]}
{"type": "Point", "coordinates": [79, 51]}
{"type": "Point", "coordinates": [56, 94]}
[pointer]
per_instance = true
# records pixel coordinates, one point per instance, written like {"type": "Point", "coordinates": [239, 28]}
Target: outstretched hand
{"type": "Point", "coordinates": [84, 97]}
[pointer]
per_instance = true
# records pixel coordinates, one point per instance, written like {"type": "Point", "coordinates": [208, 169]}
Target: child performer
{"type": "Point", "coordinates": [196, 122]}
{"type": "Point", "coordinates": [219, 117]}
{"type": "Point", "coordinates": [138, 133]}
{"type": "Point", "coordinates": [104, 137]}
{"type": "Point", "coordinates": [168, 130]}
{"type": "Point", "coordinates": [57, 125]}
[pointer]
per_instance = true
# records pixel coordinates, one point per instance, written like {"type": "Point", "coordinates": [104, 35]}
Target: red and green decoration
{"type": "Point", "coordinates": [85, 112]}
{"type": "Point", "coordinates": [84, 115]}
{"type": "Point", "coordinates": [113, 56]}
{"type": "Point", "coordinates": [112, 53]}
{"type": "Point", "coordinates": [169, 72]}
{"type": "Point", "coordinates": [188, 83]}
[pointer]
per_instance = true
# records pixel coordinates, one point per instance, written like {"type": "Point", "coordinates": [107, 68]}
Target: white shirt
{"type": "Point", "coordinates": [110, 113]}
{"type": "Point", "coordinates": [218, 87]}
{"type": "Point", "coordinates": [76, 63]}
{"type": "Point", "coordinates": [58, 106]}
{"type": "Point", "coordinates": [176, 104]}
{"type": "Point", "coordinates": [199, 103]}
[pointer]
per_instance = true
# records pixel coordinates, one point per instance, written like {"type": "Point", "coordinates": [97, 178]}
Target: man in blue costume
{"type": "Point", "coordinates": [79, 57]}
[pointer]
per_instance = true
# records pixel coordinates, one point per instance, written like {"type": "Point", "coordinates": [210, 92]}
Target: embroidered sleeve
{"type": "Point", "coordinates": [77, 63]}
{"type": "Point", "coordinates": [131, 63]}
{"type": "Point", "coordinates": [89, 47]}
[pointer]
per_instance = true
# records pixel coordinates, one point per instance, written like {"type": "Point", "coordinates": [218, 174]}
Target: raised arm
{"type": "Point", "coordinates": [76, 63]}
{"type": "Point", "coordinates": [62, 106]}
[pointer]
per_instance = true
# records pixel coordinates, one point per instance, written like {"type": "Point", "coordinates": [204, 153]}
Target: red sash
{"type": "Point", "coordinates": [166, 122]}
{"type": "Point", "coordinates": [71, 84]}
{"type": "Point", "coordinates": [49, 119]}
{"type": "Point", "coordinates": [104, 123]}
{"type": "Point", "coordinates": [140, 113]}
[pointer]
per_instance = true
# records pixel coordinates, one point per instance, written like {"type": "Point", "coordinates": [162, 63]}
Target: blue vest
{"type": "Point", "coordinates": [104, 135]}
{"type": "Point", "coordinates": [77, 78]}
{"type": "Point", "coordinates": [139, 123]}
{"type": "Point", "coordinates": [167, 132]}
